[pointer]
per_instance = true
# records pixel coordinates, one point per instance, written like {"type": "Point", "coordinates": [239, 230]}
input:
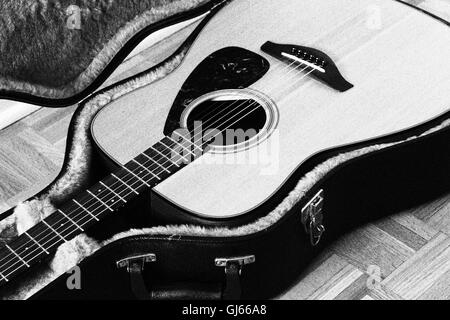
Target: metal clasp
{"type": "Point", "coordinates": [233, 267]}
{"type": "Point", "coordinates": [136, 261]}
{"type": "Point", "coordinates": [237, 261]}
{"type": "Point", "coordinates": [312, 218]}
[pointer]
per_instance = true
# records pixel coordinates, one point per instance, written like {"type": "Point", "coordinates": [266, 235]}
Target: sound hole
{"type": "Point", "coordinates": [233, 120]}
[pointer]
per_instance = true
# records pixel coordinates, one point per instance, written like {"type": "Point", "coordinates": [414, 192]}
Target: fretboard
{"type": "Point", "coordinates": [143, 172]}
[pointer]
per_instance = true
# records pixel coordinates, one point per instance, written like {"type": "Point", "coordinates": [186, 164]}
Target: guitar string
{"type": "Point", "coordinates": [89, 207]}
{"type": "Point", "coordinates": [278, 68]}
{"type": "Point", "coordinates": [158, 172]}
{"type": "Point", "coordinates": [108, 200]}
{"type": "Point", "coordinates": [215, 121]}
{"type": "Point", "coordinates": [230, 112]}
{"type": "Point", "coordinates": [252, 104]}
{"type": "Point", "coordinates": [127, 193]}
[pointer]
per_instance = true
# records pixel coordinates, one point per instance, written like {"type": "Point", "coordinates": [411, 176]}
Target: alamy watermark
{"type": "Point", "coordinates": [229, 147]}
{"type": "Point", "coordinates": [73, 281]}
{"type": "Point", "coordinates": [374, 18]}
{"type": "Point", "coordinates": [93, 9]}
{"type": "Point", "coordinates": [373, 282]}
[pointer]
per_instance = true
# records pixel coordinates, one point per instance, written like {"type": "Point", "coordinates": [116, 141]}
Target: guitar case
{"type": "Point", "coordinates": [133, 257]}
{"type": "Point", "coordinates": [55, 53]}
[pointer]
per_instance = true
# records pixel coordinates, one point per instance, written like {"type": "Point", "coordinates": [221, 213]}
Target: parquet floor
{"type": "Point", "coordinates": [406, 256]}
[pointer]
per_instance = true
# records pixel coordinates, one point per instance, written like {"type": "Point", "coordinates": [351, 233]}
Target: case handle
{"type": "Point", "coordinates": [233, 268]}
{"type": "Point", "coordinates": [230, 291]}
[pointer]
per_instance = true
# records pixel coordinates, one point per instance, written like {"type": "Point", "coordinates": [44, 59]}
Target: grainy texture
{"type": "Point", "coordinates": [56, 48]}
{"type": "Point", "coordinates": [39, 140]}
{"type": "Point", "coordinates": [411, 249]}
{"type": "Point", "coordinates": [389, 94]}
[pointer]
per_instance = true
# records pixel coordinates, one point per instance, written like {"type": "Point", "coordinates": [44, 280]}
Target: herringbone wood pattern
{"type": "Point", "coordinates": [406, 256]}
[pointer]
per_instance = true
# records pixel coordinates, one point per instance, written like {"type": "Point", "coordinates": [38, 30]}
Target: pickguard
{"type": "Point", "coordinates": [389, 95]}
{"type": "Point", "coordinates": [227, 68]}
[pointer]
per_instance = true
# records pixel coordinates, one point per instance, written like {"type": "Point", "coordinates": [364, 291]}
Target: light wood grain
{"type": "Point", "coordinates": [30, 155]}
{"type": "Point", "coordinates": [426, 221]}
{"type": "Point", "coordinates": [380, 248]}
{"type": "Point", "coordinates": [32, 150]}
{"type": "Point", "coordinates": [416, 277]}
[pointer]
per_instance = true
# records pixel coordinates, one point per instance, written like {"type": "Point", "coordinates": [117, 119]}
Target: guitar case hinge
{"type": "Point", "coordinates": [233, 268]}
{"type": "Point", "coordinates": [135, 266]}
{"type": "Point", "coordinates": [312, 218]}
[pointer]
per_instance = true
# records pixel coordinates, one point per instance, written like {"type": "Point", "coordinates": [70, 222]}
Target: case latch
{"type": "Point", "coordinates": [135, 267]}
{"type": "Point", "coordinates": [136, 262]}
{"type": "Point", "coordinates": [233, 267]}
{"type": "Point", "coordinates": [312, 218]}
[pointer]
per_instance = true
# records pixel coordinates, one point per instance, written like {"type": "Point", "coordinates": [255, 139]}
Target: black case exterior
{"type": "Point", "coordinates": [361, 190]}
{"type": "Point", "coordinates": [364, 189]}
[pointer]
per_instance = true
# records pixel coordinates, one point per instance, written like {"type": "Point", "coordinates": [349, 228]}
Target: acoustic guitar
{"type": "Point", "coordinates": [265, 86]}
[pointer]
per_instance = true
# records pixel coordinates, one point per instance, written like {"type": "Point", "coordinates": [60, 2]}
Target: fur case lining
{"type": "Point", "coordinates": [73, 252]}
{"type": "Point", "coordinates": [59, 62]}
{"type": "Point", "coordinates": [30, 212]}
{"type": "Point", "coordinates": [78, 168]}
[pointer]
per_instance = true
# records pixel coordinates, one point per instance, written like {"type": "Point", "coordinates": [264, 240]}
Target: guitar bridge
{"type": "Point", "coordinates": [316, 62]}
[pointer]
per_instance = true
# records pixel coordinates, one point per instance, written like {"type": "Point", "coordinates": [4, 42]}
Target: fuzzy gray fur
{"type": "Point", "coordinates": [73, 252]}
{"type": "Point", "coordinates": [68, 255]}
{"type": "Point", "coordinates": [30, 212]}
{"type": "Point", "coordinates": [41, 55]}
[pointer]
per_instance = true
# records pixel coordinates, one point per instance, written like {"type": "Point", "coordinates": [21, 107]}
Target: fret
{"type": "Point", "coordinates": [51, 228]}
{"type": "Point", "coordinates": [100, 200]}
{"type": "Point", "coordinates": [171, 150]}
{"type": "Point", "coordinates": [113, 192]}
{"type": "Point", "coordinates": [17, 255]}
{"type": "Point", "coordinates": [143, 181]}
{"type": "Point", "coordinates": [148, 170]}
{"type": "Point", "coordinates": [129, 187]}
{"type": "Point", "coordinates": [164, 156]}
{"type": "Point", "coordinates": [154, 161]}
{"type": "Point", "coordinates": [187, 140]}
{"type": "Point", "coordinates": [107, 197]}
{"type": "Point", "coordinates": [68, 218]}
{"type": "Point", "coordinates": [38, 244]}
{"type": "Point", "coordinates": [61, 223]}
{"type": "Point", "coordinates": [85, 210]}
{"type": "Point", "coordinates": [3, 277]}
{"type": "Point", "coordinates": [25, 249]}
{"type": "Point", "coordinates": [74, 217]}
{"type": "Point", "coordinates": [183, 147]}
{"type": "Point", "coordinates": [20, 255]}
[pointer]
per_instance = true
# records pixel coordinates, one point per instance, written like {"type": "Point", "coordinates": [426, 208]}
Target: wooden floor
{"type": "Point", "coordinates": [406, 256]}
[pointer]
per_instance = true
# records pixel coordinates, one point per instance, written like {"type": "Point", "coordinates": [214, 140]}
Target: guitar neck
{"type": "Point", "coordinates": [142, 173]}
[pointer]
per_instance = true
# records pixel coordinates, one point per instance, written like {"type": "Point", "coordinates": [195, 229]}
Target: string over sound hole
{"type": "Point", "coordinates": [229, 120]}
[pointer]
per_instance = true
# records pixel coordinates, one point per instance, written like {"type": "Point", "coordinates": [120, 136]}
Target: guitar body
{"type": "Point", "coordinates": [395, 57]}
{"type": "Point", "coordinates": [339, 110]}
